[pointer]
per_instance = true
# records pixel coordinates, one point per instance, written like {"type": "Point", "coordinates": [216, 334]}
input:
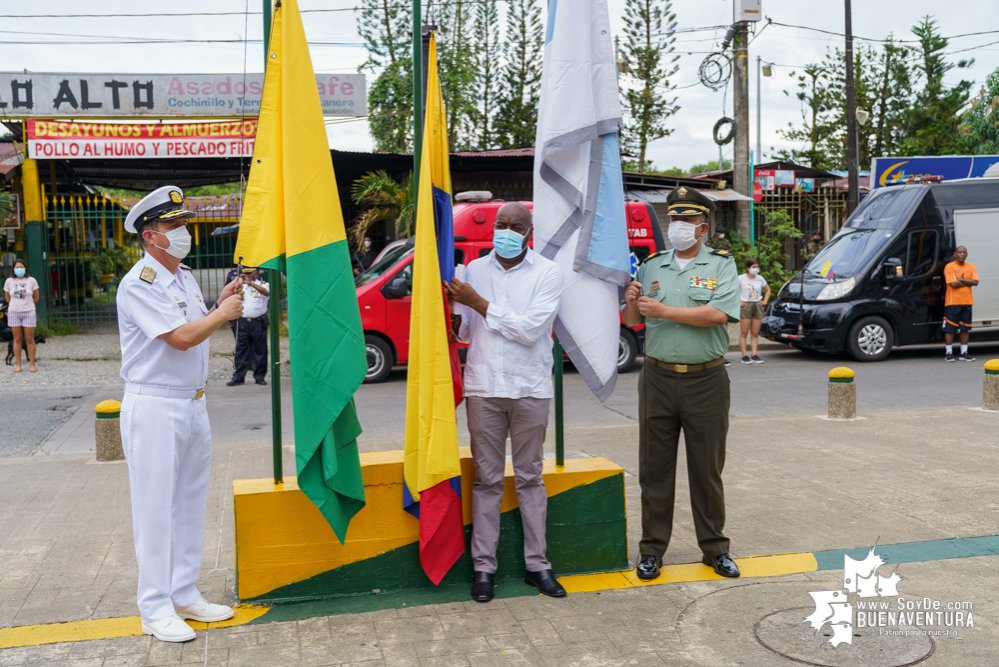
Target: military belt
{"type": "Point", "coordinates": [685, 368]}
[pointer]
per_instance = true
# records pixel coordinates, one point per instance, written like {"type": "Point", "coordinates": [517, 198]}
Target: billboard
{"type": "Point", "coordinates": [887, 170]}
{"type": "Point", "coordinates": [45, 95]}
{"type": "Point", "coordinates": [53, 139]}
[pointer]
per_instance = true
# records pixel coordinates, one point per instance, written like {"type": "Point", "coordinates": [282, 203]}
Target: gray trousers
{"type": "Point", "coordinates": [489, 422]}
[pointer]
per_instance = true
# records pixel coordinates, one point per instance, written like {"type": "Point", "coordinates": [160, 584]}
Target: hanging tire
{"type": "Point", "coordinates": [627, 350]}
{"type": "Point", "coordinates": [380, 359]}
{"type": "Point", "coordinates": [870, 339]}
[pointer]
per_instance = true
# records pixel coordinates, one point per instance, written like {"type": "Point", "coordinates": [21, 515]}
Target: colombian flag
{"type": "Point", "coordinates": [432, 468]}
{"type": "Point", "coordinates": [292, 222]}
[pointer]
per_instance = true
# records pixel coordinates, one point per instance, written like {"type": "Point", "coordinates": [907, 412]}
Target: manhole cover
{"type": "Point", "coordinates": [788, 634]}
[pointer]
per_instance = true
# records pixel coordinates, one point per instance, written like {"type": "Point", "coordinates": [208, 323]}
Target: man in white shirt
{"type": "Point", "coordinates": [164, 325]}
{"type": "Point", "coordinates": [251, 329]}
{"type": "Point", "coordinates": [509, 301]}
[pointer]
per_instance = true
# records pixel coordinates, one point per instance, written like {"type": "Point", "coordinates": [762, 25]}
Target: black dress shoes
{"type": "Point", "coordinates": [261, 381]}
{"type": "Point", "coordinates": [482, 587]}
{"type": "Point", "coordinates": [722, 564]}
{"type": "Point", "coordinates": [545, 582]}
{"type": "Point", "coordinates": [233, 383]}
{"type": "Point", "coordinates": [648, 567]}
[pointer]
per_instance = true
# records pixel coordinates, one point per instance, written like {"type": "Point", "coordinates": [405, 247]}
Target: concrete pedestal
{"type": "Point", "coordinates": [108, 431]}
{"type": "Point", "coordinates": [990, 391]}
{"type": "Point", "coordinates": [842, 394]}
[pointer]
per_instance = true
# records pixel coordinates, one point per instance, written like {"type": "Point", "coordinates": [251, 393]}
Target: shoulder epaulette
{"type": "Point", "coordinates": [722, 252]}
{"type": "Point", "coordinates": [655, 254]}
{"type": "Point", "coordinates": [186, 267]}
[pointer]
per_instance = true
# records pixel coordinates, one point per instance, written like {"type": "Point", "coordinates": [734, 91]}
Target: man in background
{"type": "Point", "coordinates": [961, 276]}
{"type": "Point", "coordinates": [251, 329]}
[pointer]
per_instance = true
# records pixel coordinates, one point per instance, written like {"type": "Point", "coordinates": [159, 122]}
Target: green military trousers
{"type": "Point", "coordinates": [696, 403]}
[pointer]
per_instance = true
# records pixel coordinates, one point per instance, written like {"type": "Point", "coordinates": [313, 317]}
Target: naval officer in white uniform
{"type": "Point", "coordinates": [164, 324]}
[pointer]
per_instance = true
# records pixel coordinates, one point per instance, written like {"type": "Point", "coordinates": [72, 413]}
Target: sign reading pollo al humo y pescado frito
{"type": "Point", "coordinates": [46, 95]}
{"type": "Point", "coordinates": [55, 139]}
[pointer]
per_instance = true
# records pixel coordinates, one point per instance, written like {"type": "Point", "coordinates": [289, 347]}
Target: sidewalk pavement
{"type": "Point", "coordinates": [793, 484]}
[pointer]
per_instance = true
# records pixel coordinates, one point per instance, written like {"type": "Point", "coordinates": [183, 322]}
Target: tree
{"type": "Point", "coordinates": [980, 123]}
{"type": "Point", "coordinates": [381, 199]}
{"type": "Point", "coordinates": [384, 25]}
{"type": "Point", "coordinates": [456, 54]}
{"type": "Point", "coordinates": [648, 52]}
{"type": "Point", "coordinates": [517, 117]}
{"type": "Point", "coordinates": [933, 126]}
{"type": "Point", "coordinates": [815, 99]}
{"type": "Point", "coordinates": [486, 36]}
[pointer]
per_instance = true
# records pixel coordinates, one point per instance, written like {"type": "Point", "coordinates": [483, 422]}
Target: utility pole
{"type": "Point", "coordinates": [740, 158]}
{"type": "Point", "coordinates": [759, 131]}
{"type": "Point", "coordinates": [853, 195]}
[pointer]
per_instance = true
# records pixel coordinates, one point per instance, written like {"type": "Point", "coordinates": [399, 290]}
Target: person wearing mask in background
{"type": "Point", "coordinates": [754, 293]}
{"type": "Point", "coordinates": [961, 276]}
{"type": "Point", "coordinates": [364, 261]}
{"type": "Point", "coordinates": [685, 297]}
{"type": "Point", "coordinates": [164, 325]}
{"type": "Point", "coordinates": [21, 292]}
{"type": "Point", "coordinates": [719, 241]}
{"type": "Point", "coordinates": [251, 329]}
{"type": "Point", "coordinates": [509, 301]}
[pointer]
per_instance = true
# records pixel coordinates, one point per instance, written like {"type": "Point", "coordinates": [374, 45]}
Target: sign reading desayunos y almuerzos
{"type": "Point", "coordinates": [54, 139]}
{"type": "Point", "coordinates": [44, 95]}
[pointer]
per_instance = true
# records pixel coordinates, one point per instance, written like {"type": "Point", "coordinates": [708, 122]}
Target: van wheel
{"type": "Point", "coordinates": [870, 339]}
{"type": "Point", "coordinates": [627, 350]}
{"type": "Point", "coordinates": [379, 359]}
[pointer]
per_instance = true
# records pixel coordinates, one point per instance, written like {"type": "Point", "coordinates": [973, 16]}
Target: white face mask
{"type": "Point", "coordinates": [755, 271]}
{"type": "Point", "coordinates": [682, 234]}
{"type": "Point", "coordinates": [180, 242]}
{"type": "Point", "coordinates": [367, 245]}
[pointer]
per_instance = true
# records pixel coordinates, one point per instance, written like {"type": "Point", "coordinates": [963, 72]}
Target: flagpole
{"type": "Point", "coordinates": [417, 96]}
{"type": "Point", "coordinates": [274, 315]}
{"type": "Point", "coordinates": [559, 419]}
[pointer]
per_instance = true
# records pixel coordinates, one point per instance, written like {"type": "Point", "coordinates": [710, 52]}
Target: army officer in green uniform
{"type": "Point", "coordinates": [684, 297]}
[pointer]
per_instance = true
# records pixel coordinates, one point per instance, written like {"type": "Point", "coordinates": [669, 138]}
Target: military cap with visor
{"type": "Point", "coordinates": [688, 201]}
{"type": "Point", "coordinates": [166, 203]}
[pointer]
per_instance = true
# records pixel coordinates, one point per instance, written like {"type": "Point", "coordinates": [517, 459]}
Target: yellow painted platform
{"type": "Point", "coordinates": [281, 538]}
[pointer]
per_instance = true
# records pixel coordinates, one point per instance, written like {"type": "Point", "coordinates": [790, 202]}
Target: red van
{"type": "Point", "coordinates": [384, 291]}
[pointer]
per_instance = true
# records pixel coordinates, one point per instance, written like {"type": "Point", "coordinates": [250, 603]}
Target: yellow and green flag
{"type": "Point", "coordinates": [292, 222]}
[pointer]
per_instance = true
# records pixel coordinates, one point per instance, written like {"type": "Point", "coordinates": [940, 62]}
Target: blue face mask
{"type": "Point", "coordinates": [19, 272]}
{"type": "Point", "coordinates": [508, 243]}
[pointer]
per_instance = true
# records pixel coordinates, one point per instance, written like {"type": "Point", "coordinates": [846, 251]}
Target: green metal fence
{"type": "Point", "coordinates": [89, 252]}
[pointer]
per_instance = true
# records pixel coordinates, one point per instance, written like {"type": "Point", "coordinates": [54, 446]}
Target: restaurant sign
{"type": "Point", "coordinates": [53, 139]}
{"type": "Point", "coordinates": [161, 95]}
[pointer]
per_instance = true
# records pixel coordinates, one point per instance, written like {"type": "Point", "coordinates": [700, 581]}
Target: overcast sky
{"type": "Point", "coordinates": [690, 143]}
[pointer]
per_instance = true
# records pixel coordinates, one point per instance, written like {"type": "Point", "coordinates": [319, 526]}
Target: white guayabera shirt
{"type": "Point", "coordinates": [510, 350]}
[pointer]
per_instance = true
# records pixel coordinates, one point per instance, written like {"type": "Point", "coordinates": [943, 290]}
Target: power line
{"type": "Point", "coordinates": [867, 39]}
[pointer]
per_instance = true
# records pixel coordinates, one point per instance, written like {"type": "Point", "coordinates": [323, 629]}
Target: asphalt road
{"type": "Point", "coordinates": [789, 383]}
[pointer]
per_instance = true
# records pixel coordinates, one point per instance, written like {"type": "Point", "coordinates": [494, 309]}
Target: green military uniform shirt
{"type": "Point", "coordinates": [708, 279]}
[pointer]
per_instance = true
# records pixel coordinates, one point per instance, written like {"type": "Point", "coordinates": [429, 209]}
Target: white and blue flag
{"type": "Point", "coordinates": [579, 215]}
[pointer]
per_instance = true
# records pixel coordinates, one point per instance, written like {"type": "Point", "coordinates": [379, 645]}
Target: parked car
{"type": "Point", "coordinates": [879, 282]}
{"type": "Point", "coordinates": [384, 291]}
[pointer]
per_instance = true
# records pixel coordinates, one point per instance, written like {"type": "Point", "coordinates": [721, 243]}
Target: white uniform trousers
{"type": "Point", "coordinates": [168, 447]}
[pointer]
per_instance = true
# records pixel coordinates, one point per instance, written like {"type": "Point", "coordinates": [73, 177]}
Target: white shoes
{"type": "Point", "coordinates": [170, 629]}
{"type": "Point", "coordinates": [206, 612]}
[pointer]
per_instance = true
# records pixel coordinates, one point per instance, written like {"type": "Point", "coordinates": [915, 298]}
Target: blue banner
{"type": "Point", "coordinates": [888, 170]}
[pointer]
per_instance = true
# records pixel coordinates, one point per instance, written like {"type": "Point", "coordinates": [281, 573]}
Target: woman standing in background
{"type": "Point", "coordinates": [753, 296]}
{"type": "Point", "coordinates": [21, 292]}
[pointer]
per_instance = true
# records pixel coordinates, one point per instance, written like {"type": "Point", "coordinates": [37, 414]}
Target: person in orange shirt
{"type": "Point", "coordinates": [961, 276]}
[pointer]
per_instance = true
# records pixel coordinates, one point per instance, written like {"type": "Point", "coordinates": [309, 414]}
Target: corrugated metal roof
{"type": "Point", "coordinates": [659, 196]}
{"type": "Point", "coordinates": [9, 159]}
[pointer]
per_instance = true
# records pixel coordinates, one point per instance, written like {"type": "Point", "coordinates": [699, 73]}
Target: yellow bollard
{"type": "Point", "coordinates": [108, 431]}
{"type": "Point", "coordinates": [990, 385]}
{"type": "Point", "coordinates": [842, 394]}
